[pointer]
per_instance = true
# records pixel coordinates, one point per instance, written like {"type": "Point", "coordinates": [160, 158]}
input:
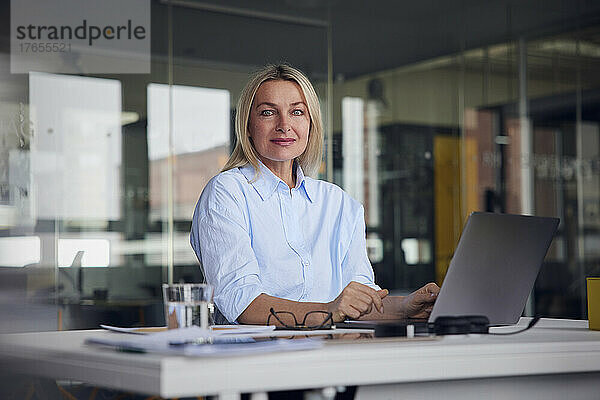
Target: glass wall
{"type": "Point", "coordinates": [429, 116]}
{"type": "Point", "coordinates": [100, 173]}
{"type": "Point", "coordinates": [508, 126]}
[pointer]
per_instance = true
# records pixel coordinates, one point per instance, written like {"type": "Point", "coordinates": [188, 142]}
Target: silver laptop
{"type": "Point", "coordinates": [495, 266]}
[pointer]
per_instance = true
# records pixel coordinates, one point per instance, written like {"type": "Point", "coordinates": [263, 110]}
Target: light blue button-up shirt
{"type": "Point", "coordinates": [254, 235]}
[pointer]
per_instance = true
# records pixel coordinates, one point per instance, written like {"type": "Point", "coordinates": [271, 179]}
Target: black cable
{"type": "Point", "coordinates": [529, 326]}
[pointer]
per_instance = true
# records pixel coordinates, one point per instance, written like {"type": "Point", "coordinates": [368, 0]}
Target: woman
{"type": "Point", "coordinates": [268, 236]}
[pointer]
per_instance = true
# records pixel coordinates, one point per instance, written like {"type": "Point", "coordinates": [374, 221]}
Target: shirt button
{"type": "Point", "coordinates": [305, 263]}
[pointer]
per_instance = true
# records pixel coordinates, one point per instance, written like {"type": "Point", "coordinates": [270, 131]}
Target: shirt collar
{"type": "Point", "coordinates": [266, 182]}
{"type": "Point", "coordinates": [302, 184]}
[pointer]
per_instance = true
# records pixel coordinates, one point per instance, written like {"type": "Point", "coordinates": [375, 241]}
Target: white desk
{"type": "Point", "coordinates": [555, 354]}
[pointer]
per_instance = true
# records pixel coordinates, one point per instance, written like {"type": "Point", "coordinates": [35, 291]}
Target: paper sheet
{"type": "Point", "coordinates": [217, 329]}
{"type": "Point", "coordinates": [186, 341]}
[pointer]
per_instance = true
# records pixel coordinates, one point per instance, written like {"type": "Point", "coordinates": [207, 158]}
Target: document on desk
{"type": "Point", "coordinates": [216, 329]}
{"type": "Point", "coordinates": [195, 341]}
{"type": "Point", "coordinates": [135, 331]}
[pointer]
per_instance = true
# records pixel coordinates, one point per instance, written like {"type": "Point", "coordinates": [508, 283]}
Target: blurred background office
{"type": "Point", "coordinates": [432, 109]}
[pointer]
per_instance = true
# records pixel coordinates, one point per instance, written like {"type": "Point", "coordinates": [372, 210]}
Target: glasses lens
{"type": "Point", "coordinates": [285, 318]}
{"type": "Point", "coordinates": [317, 319]}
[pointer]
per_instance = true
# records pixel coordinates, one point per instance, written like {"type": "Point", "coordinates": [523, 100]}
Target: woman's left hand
{"type": "Point", "coordinates": [419, 303]}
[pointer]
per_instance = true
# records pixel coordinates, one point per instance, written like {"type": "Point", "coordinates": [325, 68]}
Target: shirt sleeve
{"type": "Point", "coordinates": [356, 265]}
{"type": "Point", "coordinates": [222, 244]}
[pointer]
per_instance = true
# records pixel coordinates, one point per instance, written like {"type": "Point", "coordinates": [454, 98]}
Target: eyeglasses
{"type": "Point", "coordinates": [325, 317]}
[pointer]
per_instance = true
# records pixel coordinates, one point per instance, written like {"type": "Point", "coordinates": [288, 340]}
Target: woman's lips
{"type": "Point", "coordinates": [283, 141]}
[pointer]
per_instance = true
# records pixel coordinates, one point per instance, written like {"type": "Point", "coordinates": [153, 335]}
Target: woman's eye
{"type": "Point", "coordinates": [298, 112]}
{"type": "Point", "coordinates": [267, 113]}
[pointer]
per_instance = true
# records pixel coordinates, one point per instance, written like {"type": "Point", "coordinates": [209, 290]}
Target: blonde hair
{"type": "Point", "coordinates": [244, 152]}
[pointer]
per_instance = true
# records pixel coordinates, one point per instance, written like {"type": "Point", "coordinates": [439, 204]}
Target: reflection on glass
{"type": "Point", "coordinates": [416, 251]}
{"type": "Point", "coordinates": [200, 141]}
{"type": "Point", "coordinates": [95, 252]}
{"type": "Point", "coordinates": [200, 119]}
{"type": "Point", "coordinates": [511, 127]}
{"type": "Point", "coordinates": [19, 251]}
{"type": "Point", "coordinates": [352, 147]}
{"type": "Point", "coordinates": [182, 252]}
{"type": "Point", "coordinates": [76, 148]}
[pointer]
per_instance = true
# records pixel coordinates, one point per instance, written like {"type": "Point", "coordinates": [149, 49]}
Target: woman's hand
{"type": "Point", "coordinates": [355, 301]}
{"type": "Point", "coordinates": [419, 303]}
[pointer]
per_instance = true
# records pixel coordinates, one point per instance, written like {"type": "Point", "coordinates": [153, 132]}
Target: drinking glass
{"type": "Point", "coordinates": [188, 304]}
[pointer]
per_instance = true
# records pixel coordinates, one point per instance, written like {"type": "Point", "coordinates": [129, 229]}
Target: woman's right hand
{"type": "Point", "coordinates": [355, 301]}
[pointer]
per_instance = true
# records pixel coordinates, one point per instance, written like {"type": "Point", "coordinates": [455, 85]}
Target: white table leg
{"type": "Point", "coordinates": [259, 396]}
{"type": "Point", "coordinates": [229, 396]}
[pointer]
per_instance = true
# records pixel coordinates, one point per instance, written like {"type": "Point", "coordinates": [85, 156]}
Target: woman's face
{"type": "Point", "coordinates": [279, 123]}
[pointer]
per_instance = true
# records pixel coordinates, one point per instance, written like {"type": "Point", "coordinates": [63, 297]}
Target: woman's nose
{"type": "Point", "coordinates": [283, 124]}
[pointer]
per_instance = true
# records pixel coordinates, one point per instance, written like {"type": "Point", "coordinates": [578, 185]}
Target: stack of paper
{"type": "Point", "coordinates": [195, 341]}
